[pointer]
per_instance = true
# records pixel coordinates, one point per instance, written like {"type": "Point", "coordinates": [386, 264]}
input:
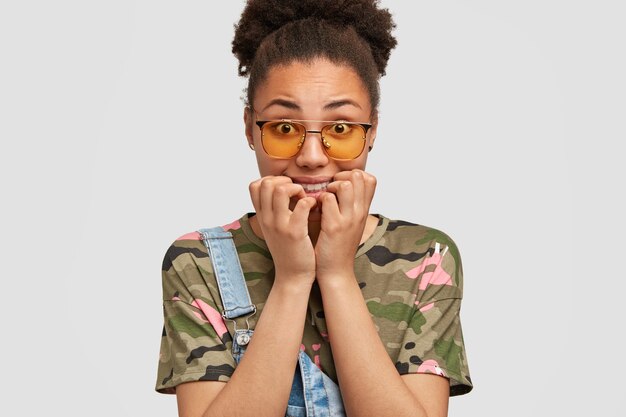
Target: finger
{"type": "Point", "coordinates": [282, 197]}
{"type": "Point", "coordinates": [254, 189]}
{"type": "Point", "coordinates": [330, 207]}
{"type": "Point", "coordinates": [342, 176]}
{"type": "Point", "coordinates": [370, 182]}
{"type": "Point", "coordinates": [357, 178]}
{"type": "Point", "coordinates": [301, 211]}
{"type": "Point", "coordinates": [266, 191]}
{"type": "Point", "coordinates": [266, 197]}
{"type": "Point", "coordinates": [344, 191]}
{"type": "Point", "coordinates": [358, 184]}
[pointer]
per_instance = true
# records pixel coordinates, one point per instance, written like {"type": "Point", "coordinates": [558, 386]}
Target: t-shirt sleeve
{"type": "Point", "coordinates": [195, 343]}
{"type": "Point", "coordinates": [433, 341]}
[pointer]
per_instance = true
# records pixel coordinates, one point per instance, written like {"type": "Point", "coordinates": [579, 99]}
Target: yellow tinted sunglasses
{"type": "Point", "coordinates": [343, 141]}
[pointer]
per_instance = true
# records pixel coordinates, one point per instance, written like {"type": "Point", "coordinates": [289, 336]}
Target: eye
{"type": "Point", "coordinates": [340, 128]}
{"type": "Point", "coordinates": [285, 128]}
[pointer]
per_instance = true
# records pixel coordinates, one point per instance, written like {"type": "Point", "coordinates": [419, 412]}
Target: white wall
{"type": "Point", "coordinates": [499, 124]}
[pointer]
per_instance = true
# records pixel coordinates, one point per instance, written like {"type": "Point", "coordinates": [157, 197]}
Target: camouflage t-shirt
{"type": "Point", "coordinates": [410, 277]}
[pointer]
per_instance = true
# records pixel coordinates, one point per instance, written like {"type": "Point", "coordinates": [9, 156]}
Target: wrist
{"type": "Point", "coordinates": [290, 285]}
{"type": "Point", "coordinates": [336, 280]}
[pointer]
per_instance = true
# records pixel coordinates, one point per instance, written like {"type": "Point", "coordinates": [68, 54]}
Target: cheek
{"type": "Point", "coordinates": [268, 166]}
{"type": "Point", "coordinates": [358, 163]}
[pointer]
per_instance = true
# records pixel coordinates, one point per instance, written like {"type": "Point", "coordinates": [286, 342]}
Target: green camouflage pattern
{"type": "Point", "coordinates": [410, 277]}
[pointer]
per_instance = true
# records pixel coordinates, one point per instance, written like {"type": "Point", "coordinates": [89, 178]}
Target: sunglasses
{"type": "Point", "coordinates": [343, 141]}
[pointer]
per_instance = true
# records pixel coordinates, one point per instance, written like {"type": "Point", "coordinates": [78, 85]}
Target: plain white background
{"type": "Point", "coordinates": [120, 125]}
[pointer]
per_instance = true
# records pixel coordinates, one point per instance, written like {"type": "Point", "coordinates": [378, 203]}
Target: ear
{"type": "Point", "coordinates": [373, 130]}
{"type": "Point", "coordinates": [249, 125]}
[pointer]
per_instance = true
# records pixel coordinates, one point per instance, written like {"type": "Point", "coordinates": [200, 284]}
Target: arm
{"type": "Point", "coordinates": [261, 382]}
{"type": "Point", "coordinates": [367, 376]}
{"type": "Point", "coordinates": [370, 383]}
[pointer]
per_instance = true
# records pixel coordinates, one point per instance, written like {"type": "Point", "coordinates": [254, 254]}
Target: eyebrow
{"type": "Point", "coordinates": [294, 106]}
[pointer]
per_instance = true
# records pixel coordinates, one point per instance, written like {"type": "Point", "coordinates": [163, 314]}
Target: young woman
{"type": "Point", "coordinates": [333, 311]}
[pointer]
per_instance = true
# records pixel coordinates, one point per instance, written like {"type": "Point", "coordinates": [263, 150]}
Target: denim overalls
{"type": "Point", "coordinates": [313, 393]}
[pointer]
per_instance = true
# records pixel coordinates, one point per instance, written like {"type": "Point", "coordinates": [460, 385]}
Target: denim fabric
{"type": "Point", "coordinates": [313, 393]}
{"type": "Point", "coordinates": [317, 391]}
{"type": "Point", "coordinates": [234, 293]}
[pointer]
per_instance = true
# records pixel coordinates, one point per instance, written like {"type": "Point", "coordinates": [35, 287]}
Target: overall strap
{"type": "Point", "coordinates": [228, 274]}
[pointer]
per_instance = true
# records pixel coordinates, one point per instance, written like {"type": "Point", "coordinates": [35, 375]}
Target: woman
{"type": "Point", "coordinates": [319, 271]}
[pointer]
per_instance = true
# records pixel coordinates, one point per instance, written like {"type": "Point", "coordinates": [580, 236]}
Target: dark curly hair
{"type": "Point", "coordinates": [352, 32]}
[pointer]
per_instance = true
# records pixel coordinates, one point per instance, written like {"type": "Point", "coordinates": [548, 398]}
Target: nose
{"type": "Point", "coordinates": [311, 154]}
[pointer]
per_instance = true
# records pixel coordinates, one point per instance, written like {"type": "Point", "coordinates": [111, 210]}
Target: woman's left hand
{"type": "Point", "coordinates": [345, 207]}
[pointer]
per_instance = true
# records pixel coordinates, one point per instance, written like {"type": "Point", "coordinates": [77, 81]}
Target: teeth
{"type": "Point", "coordinates": [311, 188]}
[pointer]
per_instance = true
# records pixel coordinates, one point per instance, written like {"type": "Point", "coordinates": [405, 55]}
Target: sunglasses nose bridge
{"type": "Point", "coordinates": [325, 144]}
{"type": "Point", "coordinates": [312, 153]}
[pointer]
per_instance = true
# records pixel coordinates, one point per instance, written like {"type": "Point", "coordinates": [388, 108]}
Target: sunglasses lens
{"type": "Point", "coordinates": [344, 141]}
{"type": "Point", "coordinates": [282, 139]}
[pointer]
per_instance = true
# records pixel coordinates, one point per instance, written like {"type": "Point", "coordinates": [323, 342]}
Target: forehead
{"type": "Point", "coordinates": [312, 85]}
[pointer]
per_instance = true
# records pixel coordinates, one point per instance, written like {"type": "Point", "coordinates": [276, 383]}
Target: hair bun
{"type": "Point", "coordinates": [262, 17]}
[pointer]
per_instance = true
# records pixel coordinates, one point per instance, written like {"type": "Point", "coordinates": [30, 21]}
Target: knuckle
{"type": "Point", "coordinates": [328, 197]}
{"type": "Point", "coordinates": [292, 233]}
{"type": "Point", "coordinates": [281, 189]}
{"type": "Point", "coordinates": [254, 185]}
{"type": "Point", "coordinates": [334, 228]}
{"type": "Point", "coordinates": [266, 184]}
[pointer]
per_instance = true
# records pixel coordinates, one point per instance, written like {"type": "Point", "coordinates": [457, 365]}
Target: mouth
{"type": "Point", "coordinates": [314, 188]}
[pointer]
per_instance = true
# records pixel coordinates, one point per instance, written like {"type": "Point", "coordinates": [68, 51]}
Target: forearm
{"type": "Point", "coordinates": [261, 383]}
{"type": "Point", "coordinates": [366, 374]}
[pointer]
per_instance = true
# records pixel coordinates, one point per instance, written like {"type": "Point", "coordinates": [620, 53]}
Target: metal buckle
{"type": "Point", "coordinates": [235, 322]}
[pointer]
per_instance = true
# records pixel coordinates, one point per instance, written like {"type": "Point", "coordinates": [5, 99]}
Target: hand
{"type": "Point", "coordinates": [285, 230]}
{"type": "Point", "coordinates": [345, 208]}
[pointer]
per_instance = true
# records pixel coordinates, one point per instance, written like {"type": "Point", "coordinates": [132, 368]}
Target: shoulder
{"type": "Point", "coordinates": [189, 247]}
{"type": "Point", "coordinates": [419, 253]}
{"type": "Point", "coordinates": [187, 268]}
{"type": "Point", "coordinates": [413, 234]}
{"type": "Point", "coordinates": [181, 267]}
{"type": "Point", "coordinates": [183, 250]}
{"type": "Point", "coordinates": [402, 237]}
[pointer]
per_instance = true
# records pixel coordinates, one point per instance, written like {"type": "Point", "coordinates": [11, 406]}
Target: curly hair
{"type": "Point", "coordinates": [350, 32]}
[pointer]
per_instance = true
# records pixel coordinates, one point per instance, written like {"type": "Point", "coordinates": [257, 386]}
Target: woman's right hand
{"type": "Point", "coordinates": [284, 229]}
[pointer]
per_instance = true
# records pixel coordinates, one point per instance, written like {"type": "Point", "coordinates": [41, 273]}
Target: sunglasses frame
{"type": "Point", "coordinates": [366, 127]}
